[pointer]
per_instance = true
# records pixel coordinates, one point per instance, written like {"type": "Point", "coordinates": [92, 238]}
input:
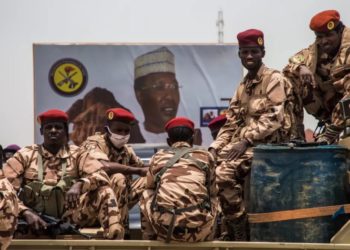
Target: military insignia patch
{"type": "Point", "coordinates": [260, 41]}
{"type": "Point", "coordinates": [68, 77]}
{"type": "Point", "coordinates": [330, 25]}
{"type": "Point", "coordinates": [110, 115]}
{"type": "Point", "coordinates": [298, 59]}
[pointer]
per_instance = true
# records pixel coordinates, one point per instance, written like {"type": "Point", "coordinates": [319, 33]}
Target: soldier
{"type": "Point", "coordinates": [180, 200]}
{"type": "Point", "coordinates": [320, 74]}
{"type": "Point", "coordinates": [9, 151]}
{"type": "Point", "coordinates": [8, 212]}
{"type": "Point", "coordinates": [57, 180]}
{"type": "Point", "coordinates": [118, 159]}
{"type": "Point", "coordinates": [258, 113]}
{"type": "Point", "coordinates": [216, 124]}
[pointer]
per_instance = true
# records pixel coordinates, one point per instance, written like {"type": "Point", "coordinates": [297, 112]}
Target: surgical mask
{"type": "Point", "coordinates": [118, 140]}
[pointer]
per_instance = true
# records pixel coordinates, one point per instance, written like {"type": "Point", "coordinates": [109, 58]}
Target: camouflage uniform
{"type": "Point", "coordinates": [182, 186]}
{"type": "Point", "coordinates": [8, 211]}
{"type": "Point", "coordinates": [127, 191]}
{"type": "Point", "coordinates": [97, 202]}
{"type": "Point", "coordinates": [332, 78]}
{"type": "Point", "coordinates": [259, 112]}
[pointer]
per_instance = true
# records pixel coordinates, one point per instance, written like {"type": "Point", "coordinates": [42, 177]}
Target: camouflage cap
{"type": "Point", "coordinates": [157, 61]}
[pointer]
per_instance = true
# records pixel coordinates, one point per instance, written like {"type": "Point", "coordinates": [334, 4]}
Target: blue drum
{"type": "Point", "coordinates": [297, 193]}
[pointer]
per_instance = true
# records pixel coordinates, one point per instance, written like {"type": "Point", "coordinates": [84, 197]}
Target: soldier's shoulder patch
{"type": "Point", "coordinates": [298, 59]}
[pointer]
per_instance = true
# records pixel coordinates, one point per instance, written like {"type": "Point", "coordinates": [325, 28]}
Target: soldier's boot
{"type": "Point", "coordinates": [239, 228]}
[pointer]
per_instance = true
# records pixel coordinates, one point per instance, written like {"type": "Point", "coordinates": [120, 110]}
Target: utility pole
{"type": "Point", "coordinates": [220, 25]}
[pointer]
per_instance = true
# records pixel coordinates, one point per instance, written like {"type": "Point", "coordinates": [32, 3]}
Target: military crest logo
{"type": "Point", "coordinates": [330, 25]}
{"type": "Point", "coordinates": [68, 77]}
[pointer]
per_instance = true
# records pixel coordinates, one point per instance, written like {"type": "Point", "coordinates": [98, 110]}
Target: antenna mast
{"type": "Point", "coordinates": [220, 25]}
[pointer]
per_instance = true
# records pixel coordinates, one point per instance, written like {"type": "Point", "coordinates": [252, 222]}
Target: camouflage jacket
{"type": "Point", "coordinates": [100, 148]}
{"type": "Point", "coordinates": [332, 75]}
{"type": "Point", "coordinates": [188, 183]}
{"type": "Point", "coordinates": [8, 207]}
{"type": "Point", "coordinates": [23, 168]}
{"type": "Point", "coordinates": [258, 111]}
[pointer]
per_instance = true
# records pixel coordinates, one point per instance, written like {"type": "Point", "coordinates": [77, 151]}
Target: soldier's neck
{"type": "Point", "coordinates": [53, 148]}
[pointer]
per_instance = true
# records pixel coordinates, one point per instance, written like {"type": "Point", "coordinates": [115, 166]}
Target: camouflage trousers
{"type": "Point", "coordinates": [128, 192]}
{"type": "Point", "coordinates": [8, 213]}
{"type": "Point", "coordinates": [155, 225]}
{"type": "Point", "coordinates": [100, 206]}
{"type": "Point", "coordinates": [230, 177]}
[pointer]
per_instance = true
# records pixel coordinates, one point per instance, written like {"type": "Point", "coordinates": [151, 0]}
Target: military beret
{"type": "Point", "coordinates": [119, 114]}
{"type": "Point", "coordinates": [217, 122]}
{"type": "Point", "coordinates": [52, 115]}
{"type": "Point", "coordinates": [325, 21]}
{"type": "Point", "coordinates": [157, 61]}
{"type": "Point", "coordinates": [251, 38]}
{"type": "Point", "coordinates": [12, 148]}
{"type": "Point", "coordinates": [179, 122]}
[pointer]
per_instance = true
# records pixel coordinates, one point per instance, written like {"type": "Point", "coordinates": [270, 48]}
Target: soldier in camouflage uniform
{"type": "Point", "coordinates": [8, 211]}
{"type": "Point", "coordinates": [57, 180]}
{"type": "Point", "coordinates": [180, 201]}
{"type": "Point", "coordinates": [119, 159]}
{"type": "Point", "coordinates": [258, 113]}
{"type": "Point", "coordinates": [320, 74]}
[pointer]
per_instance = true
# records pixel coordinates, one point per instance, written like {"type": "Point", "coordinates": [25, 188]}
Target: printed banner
{"type": "Point", "coordinates": [155, 82]}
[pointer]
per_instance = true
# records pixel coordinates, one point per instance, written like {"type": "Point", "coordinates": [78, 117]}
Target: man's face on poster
{"type": "Point", "coordinates": [158, 96]}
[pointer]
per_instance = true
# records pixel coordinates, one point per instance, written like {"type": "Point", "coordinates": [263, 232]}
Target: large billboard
{"type": "Point", "coordinates": [156, 82]}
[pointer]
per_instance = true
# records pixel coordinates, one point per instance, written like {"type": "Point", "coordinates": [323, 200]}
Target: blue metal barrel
{"type": "Point", "coordinates": [288, 180]}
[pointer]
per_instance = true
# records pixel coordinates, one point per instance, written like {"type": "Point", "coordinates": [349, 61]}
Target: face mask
{"type": "Point", "coordinates": [118, 140]}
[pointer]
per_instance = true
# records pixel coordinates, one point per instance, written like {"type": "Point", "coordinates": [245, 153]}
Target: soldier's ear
{"type": "Point", "coordinates": [263, 52]}
{"type": "Point", "coordinates": [168, 140]}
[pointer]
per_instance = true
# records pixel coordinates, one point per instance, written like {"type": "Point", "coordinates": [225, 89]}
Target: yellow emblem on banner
{"type": "Point", "coordinates": [110, 115]}
{"type": "Point", "coordinates": [68, 77]}
{"type": "Point", "coordinates": [260, 41]}
{"type": "Point", "coordinates": [330, 25]}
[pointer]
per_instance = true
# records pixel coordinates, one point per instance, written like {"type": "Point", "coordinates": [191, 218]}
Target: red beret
{"type": "Point", "coordinates": [52, 115]}
{"type": "Point", "coordinates": [251, 38]}
{"type": "Point", "coordinates": [179, 122]}
{"type": "Point", "coordinates": [217, 122]}
{"type": "Point", "coordinates": [325, 21]}
{"type": "Point", "coordinates": [119, 114]}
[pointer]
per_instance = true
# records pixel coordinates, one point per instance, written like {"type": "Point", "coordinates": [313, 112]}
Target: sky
{"type": "Point", "coordinates": [25, 22]}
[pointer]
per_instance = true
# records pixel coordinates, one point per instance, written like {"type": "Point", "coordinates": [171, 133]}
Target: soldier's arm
{"type": "Point", "coordinates": [115, 168]}
{"type": "Point", "coordinates": [13, 170]}
{"type": "Point", "coordinates": [90, 171]}
{"type": "Point", "coordinates": [272, 113]}
{"type": "Point", "coordinates": [295, 62]}
{"type": "Point", "coordinates": [233, 121]}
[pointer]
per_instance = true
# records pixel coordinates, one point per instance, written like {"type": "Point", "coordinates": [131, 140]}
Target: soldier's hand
{"type": "Point", "coordinates": [237, 150]}
{"type": "Point", "coordinates": [73, 195]}
{"type": "Point", "coordinates": [34, 221]}
{"type": "Point", "coordinates": [306, 76]}
{"type": "Point", "coordinates": [143, 171]}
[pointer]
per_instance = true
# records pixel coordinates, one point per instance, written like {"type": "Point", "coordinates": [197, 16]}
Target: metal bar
{"type": "Point", "coordinates": [154, 245]}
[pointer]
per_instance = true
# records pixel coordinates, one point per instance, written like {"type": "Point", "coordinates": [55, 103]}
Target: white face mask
{"type": "Point", "coordinates": [118, 140]}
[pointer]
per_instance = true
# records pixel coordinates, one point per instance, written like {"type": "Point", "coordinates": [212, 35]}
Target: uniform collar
{"type": "Point", "coordinates": [62, 153]}
{"type": "Point", "coordinates": [180, 144]}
